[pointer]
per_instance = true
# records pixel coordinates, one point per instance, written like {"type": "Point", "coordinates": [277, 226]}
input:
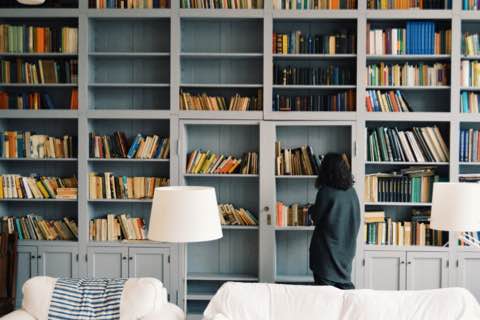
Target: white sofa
{"type": "Point", "coordinates": [142, 298]}
{"type": "Point", "coordinates": [252, 301]}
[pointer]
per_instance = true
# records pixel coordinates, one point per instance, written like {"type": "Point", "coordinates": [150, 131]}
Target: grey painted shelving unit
{"type": "Point", "coordinates": [133, 64]}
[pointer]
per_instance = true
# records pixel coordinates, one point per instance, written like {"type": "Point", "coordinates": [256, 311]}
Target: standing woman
{"type": "Point", "coordinates": [336, 215]}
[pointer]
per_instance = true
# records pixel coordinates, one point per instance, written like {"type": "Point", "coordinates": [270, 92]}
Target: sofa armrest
{"type": "Point", "coordinates": [18, 315]}
{"type": "Point", "coordinates": [168, 311]}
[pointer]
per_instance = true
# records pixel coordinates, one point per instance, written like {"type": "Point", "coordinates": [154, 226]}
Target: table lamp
{"type": "Point", "coordinates": [456, 207]}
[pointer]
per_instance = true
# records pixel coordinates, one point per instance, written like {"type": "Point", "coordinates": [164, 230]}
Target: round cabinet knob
{"type": "Point", "coordinates": [266, 208]}
{"type": "Point", "coordinates": [32, 257]}
{"type": "Point", "coordinates": [409, 262]}
{"type": "Point", "coordinates": [124, 258]}
{"type": "Point", "coordinates": [402, 262]}
{"type": "Point", "coordinates": [39, 257]}
{"type": "Point", "coordinates": [130, 258]}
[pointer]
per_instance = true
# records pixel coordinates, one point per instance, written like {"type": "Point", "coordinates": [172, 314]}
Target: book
{"type": "Point", "coordinates": [214, 4]}
{"type": "Point", "coordinates": [470, 73]}
{"type": "Point", "coordinates": [408, 185]}
{"type": "Point", "coordinates": [34, 100]}
{"type": "Point", "coordinates": [327, 75]}
{"type": "Point", "coordinates": [229, 215]}
{"type": "Point", "coordinates": [421, 74]}
{"type": "Point", "coordinates": [344, 100]}
{"type": "Point", "coordinates": [296, 161]}
{"type": "Point", "coordinates": [469, 145]}
{"type": "Point", "coordinates": [293, 215]}
{"type": "Point", "coordinates": [39, 72]}
{"type": "Point", "coordinates": [409, 4]}
{"type": "Point", "coordinates": [109, 186]}
{"type": "Point", "coordinates": [470, 44]}
{"type": "Point", "coordinates": [207, 162]}
{"type": "Point", "coordinates": [471, 4]}
{"type": "Point", "coordinates": [129, 4]}
{"type": "Point", "coordinates": [16, 144]}
{"type": "Point", "coordinates": [117, 227]}
{"type": "Point", "coordinates": [417, 37]}
{"type": "Point", "coordinates": [35, 227]}
{"type": "Point", "coordinates": [314, 4]}
{"type": "Point", "coordinates": [386, 101]}
{"type": "Point", "coordinates": [296, 42]}
{"type": "Point", "coordinates": [15, 186]}
{"type": "Point", "coordinates": [424, 144]}
{"type": "Point", "coordinates": [204, 102]}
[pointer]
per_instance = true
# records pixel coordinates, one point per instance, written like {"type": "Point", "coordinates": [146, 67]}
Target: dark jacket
{"type": "Point", "coordinates": [336, 215]}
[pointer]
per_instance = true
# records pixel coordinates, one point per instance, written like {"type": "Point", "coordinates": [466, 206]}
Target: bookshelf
{"type": "Point", "coordinates": [132, 84]}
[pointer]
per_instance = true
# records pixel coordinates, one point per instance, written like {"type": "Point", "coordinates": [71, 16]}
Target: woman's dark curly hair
{"type": "Point", "coordinates": [334, 172]}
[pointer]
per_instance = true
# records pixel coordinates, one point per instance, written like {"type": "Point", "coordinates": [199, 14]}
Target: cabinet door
{"type": "Point", "coordinates": [58, 261]}
{"type": "Point", "coordinates": [467, 274]}
{"type": "Point", "coordinates": [26, 268]}
{"type": "Point", "coordinates": [384, 270]}
{"type": "Point", "coordinates": [150, 262]}
{"type": "Point", "coordinates": [108, 262]}
{"type": "Point", "coordinates": [427, 270]}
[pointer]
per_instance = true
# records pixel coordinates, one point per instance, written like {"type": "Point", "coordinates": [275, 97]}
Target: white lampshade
{"type": "Point", "coordinates": [31, 2]}
{"type": "Point", "coordinates": [184, 214]}
{"type": "Point", "coordinates": [455, 206]}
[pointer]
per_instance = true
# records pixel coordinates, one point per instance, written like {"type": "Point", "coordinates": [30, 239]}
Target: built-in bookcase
{"type": "Point", "coordinates": [126, 70]}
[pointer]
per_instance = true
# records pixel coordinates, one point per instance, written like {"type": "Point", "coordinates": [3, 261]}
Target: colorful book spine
{"type": "Point", "coordinates": [420, 74]}
{"type": "Point", "coordinates": [341, 101]}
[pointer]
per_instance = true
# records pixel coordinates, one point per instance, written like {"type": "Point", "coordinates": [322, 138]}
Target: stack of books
{"type": "Point", "coordinates": [469, 102]}
{"type": "Point", "coordinates": [117, 146]}
{"type": "Point", "coordinates": [107, 186]}
{"type": "Point", "coordinates": [218, 4]}
{"type": "Point", "coordinates": [390, 101]}
{"type": "Point", "coordinates": [15, 144]}
{"type": "Point", "coordinates": [207, 162]}
{"type": "Point", "coordinates": [416, 38]}
{"type": "Point", "coordinates": [470, 71]}
{"type": "Point", "coordinates": [297, 161]}
{"type": "Point", "coordinates": [314, 4]}
{"type": "Point", "coordinates": [380, 230]}
{"type": "Point", "coordinates": [469, 145]}
{"type": "Point", "coordinates": [36, 39]}
{"type": "Point", "coordinates": [470, 44]}
{"type": "Point", "coordinates": [40, 72]}
{"type": "Point", "coordinates": [341, 101]}
{"type": "Point", "coordinates": [117, 227]}
{"type": "Point", "coordinates": [327, 75]}
{"type": "Point", "coordinates": [35, 100]}
{"type": "Point", "coordinates": [14, 186]}
{"type": "Point", "coordinates": [229, 215]}
{"type": "Point", "coordinates": [408, 185]}
{"type": "Point", "coordinates": [204, 102]}
{"type": "Point", "coordinates": [128, 4]}
{"type": "Point", "coordinates": [33, 227]}
{"type": "Point", "coordinates": [415, 145]}
{"type": "Point", "coordinates": [411, 75]}
{"type": "Point", "coordinates": [297, 43]}
{"type": "Point", "coordinates": [293, 215]}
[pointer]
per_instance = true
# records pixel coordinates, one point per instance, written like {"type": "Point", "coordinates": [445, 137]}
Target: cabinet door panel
{"type": "Point", "coordinates": [384, 270]}
{"type": "Point", "coordinates": [427, 270]}
{"type": "Point", "coordinates": [26, 268]}
{"type": "Point", "coordinates": [58, 262]}
{"type": "Point", "coordinates": [150, 262]}
{"type": "Point", "coordinates": [467, 274]}
{"type": "Point", "coordinates": [108, 262]}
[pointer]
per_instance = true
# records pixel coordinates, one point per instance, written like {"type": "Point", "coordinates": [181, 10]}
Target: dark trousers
{"type": "Point", "coordinates": [324, 282]}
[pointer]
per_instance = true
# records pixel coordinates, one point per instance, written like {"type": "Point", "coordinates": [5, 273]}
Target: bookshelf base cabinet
{"type": "Point", "coordinates": [399, 270]}
{"type": "Point", "coordinates": [468, 264]}
{"type": "Point", "coordinates": [53, 261]}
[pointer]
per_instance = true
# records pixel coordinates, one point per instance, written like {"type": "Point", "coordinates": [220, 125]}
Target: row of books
{"type": "Point", "coordinates": [296, 161]}
{"type": "Point", "coordinates": [469, 145]}
{"type": "Point", "coordinates": [469, 102]}
{"type": "Point", "coordinates": [229, 215]}
{"type": "Point", "coordinates": [14, 186]}
{"type": "Point", "coordinates": [325, 75]}
{"type": "Point", "coordinates": [315, 4]}
{"type": "Point", "coordinates": [471, 4]}
{"type": "Point", "coordinates": [35, 101]}
{"type": "Point", "coordinates": [15, 144]}
{"type": "Point", "coordinates": [293, 215]}
{"type": "Point", "coordinates": [35, 39]}
{"type": "Point", "coordinates": [341, 101]}
{"type": "Point", "coordinates": [34, 227]}
{"type": "Point", "coordinates": [207, 162]}
{"type": "Point", "coordinates": [298, 43]}
{"type": "Point", "coordinates": [192, 101]}
{"type": "Point", "coordinates": [40, 72]}
{"type": "Point", "coordinates": [408, 4]}
{"type": "Point", "coordinates": [389, 101]}
{"type": "Point", "coordinates": [408, 185]}
{"type": "Point", "coordinates": [117, 146]}
{"type": "Point", "coordinates": [109, 186]}
{"type": "Point", "coordinates": [381, 230]}
{"type": "Point", "coordinates": [419, 144]}
{"type": "Point", "coordinates": [117, 227]}
{"type": "Point", "coordinates": [128, 4]}
{"type": "Point", "coordinates": [416, 38]}
{"type": "Point", "coordinates": [470, 71]}
{"type": "Point", "coordinates": [408, 74]}
{"type": "Point", "coordinates": [221, 4]}
{"type": "Point", "coordinates": [470, 44]}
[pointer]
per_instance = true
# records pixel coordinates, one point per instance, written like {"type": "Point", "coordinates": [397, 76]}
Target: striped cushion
{"type": "Point", "coordinates": [83, 299]}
